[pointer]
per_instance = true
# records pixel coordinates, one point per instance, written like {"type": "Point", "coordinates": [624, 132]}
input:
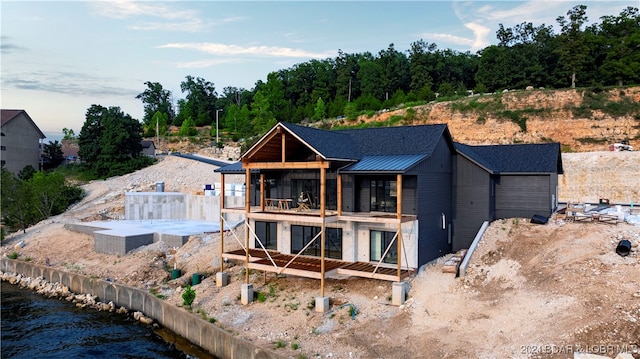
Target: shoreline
{"type": "Point", "coordinates": [171, 318]}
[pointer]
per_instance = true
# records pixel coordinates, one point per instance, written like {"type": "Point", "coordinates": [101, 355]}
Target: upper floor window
{"type": "Point", "coordinates": [3, 148]}
{"type": "Point", "coordinates": [383, 195]}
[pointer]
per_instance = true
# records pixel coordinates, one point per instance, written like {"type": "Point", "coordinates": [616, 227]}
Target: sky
{"type": "Point", "coordinates": [57, 58]}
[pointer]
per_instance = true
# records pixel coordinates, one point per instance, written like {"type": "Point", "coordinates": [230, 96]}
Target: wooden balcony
{"type": "Point", "coordinates": [313, 215]}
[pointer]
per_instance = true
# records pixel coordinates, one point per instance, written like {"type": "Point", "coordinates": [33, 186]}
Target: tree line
{"type": "Point", "coordinates": [602, 54]}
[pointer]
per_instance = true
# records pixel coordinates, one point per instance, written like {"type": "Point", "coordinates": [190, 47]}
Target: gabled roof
{"type": "Point", "coordinates": [7, 116]}
{"type": "Point", "coordinates": [354, 145]}
{"type": "Point", "coordinates": [512, 159]}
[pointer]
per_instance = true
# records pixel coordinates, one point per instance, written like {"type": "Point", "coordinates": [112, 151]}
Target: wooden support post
{"type": "Point", "coordinates": [399, 216]}
{"type": "Point", "coordinates": [323, 189]}
{"type": "Point", "coordinates": [221, 221]}
{"type": "Point", "coordinates": [247, 210]}
{"type": "Point", "coordinates": [283, 147]}
{"type": "Point", "coordinates": [261, 192]}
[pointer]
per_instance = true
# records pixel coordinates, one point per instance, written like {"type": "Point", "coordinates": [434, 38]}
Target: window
{"type": "Point", "coordinates": [383, 195]}
{"type": "Point", "coordinates": [3, 148]}
{"type": "Point", "coordinates": [267, 232]}
{"type": "Point", "coordinates": [302, 235]}
{"type": "Point", "coordinates": [380, 240]}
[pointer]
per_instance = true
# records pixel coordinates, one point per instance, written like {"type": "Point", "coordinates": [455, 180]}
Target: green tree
{"type": "Point", "coordinates": [110, 142]}
{"type": "Point", "coordinates": [47, 192]}
{"type": "Point", "coordinates": [68, 134]}
{"type": "Point", "coordinates": [419, 64]}
{"type": "Point", "coordinates": [158, 125]}
{"type": "Point", "coordinates": [573, 48]}
{"type": "Point", "coordinates": [156, 99]}
{"type": "Point", "coordinates": [188, 128]}
{"type": "Point", "coordinates": [53, 155]}
{"type": "Point", "coordinates": [621, 41]}
{"type": "Point", "coordinates": [320, 112]}
{"type": "Point", "coordinates": [14, 202]}
{"type": "Point", "coordinates": [200, 102]}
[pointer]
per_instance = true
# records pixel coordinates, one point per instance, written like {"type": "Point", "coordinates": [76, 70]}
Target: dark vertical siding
{"type": "Point", "coordinates": [434, 191]}
{"type": "Point", "coordinates": [348, 195]}
{"type": "Point", "coordinates": [409, 194]}
{"type": "Point", "coordinates": [523, 196]}
{"type": "Point", "coordinates": [472, 201]}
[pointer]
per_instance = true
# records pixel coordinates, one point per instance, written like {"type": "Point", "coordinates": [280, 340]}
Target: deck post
{"type": "Point", "coordinates": [221, 222]}
{"type": "Point", "coordinates": [399, 215]}
{"type": "Point", "coordinates": [247, 209]}
{"type": "Point", "coordinates": [323, 189]}
{"type": "Point", "coordinates": [261, 192]}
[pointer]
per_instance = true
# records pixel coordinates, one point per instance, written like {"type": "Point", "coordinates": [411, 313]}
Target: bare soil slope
{"type": "Point", "coordinates": [531, 290]}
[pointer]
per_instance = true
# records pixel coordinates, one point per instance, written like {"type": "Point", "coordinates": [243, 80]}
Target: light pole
{"type": "Point", "coordinates": [217, 139]}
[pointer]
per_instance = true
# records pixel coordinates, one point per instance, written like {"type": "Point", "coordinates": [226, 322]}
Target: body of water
{"type": "Point", "coordinates": [33, 326]}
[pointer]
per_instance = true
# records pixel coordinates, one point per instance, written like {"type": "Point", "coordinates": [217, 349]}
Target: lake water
{"type": "Point", "coordinates": [33, 326]}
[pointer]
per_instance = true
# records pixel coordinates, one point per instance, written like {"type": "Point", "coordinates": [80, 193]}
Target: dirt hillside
{"type": "Point", "coordinates": [531, 290]}
{"type": "Point", "coordinates": [551, 115]}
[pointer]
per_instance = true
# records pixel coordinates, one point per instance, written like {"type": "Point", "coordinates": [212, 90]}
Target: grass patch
{"type": "Point", "coordinates": [13, 255]}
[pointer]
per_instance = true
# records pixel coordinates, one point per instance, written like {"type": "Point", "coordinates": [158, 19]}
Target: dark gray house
{"type": "Point", "coordinates": [376, 201]}
{"type": "Point", "coordinates": [502, 181]}
{"type": "Point", "coordinates": [379, 202]}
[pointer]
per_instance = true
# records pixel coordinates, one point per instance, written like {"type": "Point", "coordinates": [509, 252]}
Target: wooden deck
{"type": "Point", "coordinates": [309, 267]}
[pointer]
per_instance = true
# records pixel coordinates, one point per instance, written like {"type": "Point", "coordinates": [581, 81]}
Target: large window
{"type": "Point", "coordinates": [380, 240]}
{"type": "Point", "coordinates": [383, 195]}
{"type": "Point", "coordinates": [302, 235]}
{"type": "Point", "coordinates": [267, 232]}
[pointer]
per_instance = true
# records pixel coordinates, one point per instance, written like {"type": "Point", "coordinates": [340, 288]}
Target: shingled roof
{"type": "Point", "coordinates": [356, 143]}
{"type": "Point", "coordinates": [511, 159]}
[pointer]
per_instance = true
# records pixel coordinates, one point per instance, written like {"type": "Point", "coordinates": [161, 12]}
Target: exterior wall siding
{"type": "Point", "coordinates": [434, 193]}
{"type": "Point", "coordinates": [523, 196]}
{"type": "Point", "coordinates": [472, 201]}
{"type": "Point", "coordinates": [22, 143]}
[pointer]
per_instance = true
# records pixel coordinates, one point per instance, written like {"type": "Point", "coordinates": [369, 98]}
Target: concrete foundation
{"type": "Point", "coordinates": [222, 279]}
{"type": "Point", "coordinates": [322, 304]}
{"type": "Point", "coordinates": [399, 293]}
{"type": "Point", "coordinates": [246, 294]}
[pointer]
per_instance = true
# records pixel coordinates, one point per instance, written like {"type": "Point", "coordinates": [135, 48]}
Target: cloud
{"type": "Point", "coordinates": [64, 82]}
{"type": "Point", "coordinates": [7, 47]}
{"type": "Point", "coordinates": [479, 40]}
{"type": "Point", "coordinates": [177, 19]}
{"type": "Point", "coordinates": [236, 50]}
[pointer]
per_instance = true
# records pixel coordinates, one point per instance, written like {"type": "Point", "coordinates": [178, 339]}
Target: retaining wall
{"type": "Point", "coordinates": [188, 325]}
{"type": "Point", "coordinates": [176, 206]}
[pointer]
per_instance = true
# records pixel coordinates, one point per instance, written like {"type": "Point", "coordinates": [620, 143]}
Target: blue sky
{"type": "Point", "coordinates": [58, 58]}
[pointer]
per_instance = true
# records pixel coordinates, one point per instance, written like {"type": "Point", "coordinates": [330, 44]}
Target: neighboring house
{"type": "Point", "coordinates": [503, 181]}
{"type": "Point", "coordinates": [148, 148]}
{"type": "Point", "coordinates": [19, 141]}
{"type": "Point", "coordinates": [379, 200]}
{"type": "Point", "coordinates": [70, 151]}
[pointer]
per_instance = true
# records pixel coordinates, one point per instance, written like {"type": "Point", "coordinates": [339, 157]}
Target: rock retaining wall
{"type": "Point", "coordinates": [105, 295]}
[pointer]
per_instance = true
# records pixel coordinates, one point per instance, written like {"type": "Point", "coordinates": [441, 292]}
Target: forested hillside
{"type": "Point", "coordinates": [594, 59]}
